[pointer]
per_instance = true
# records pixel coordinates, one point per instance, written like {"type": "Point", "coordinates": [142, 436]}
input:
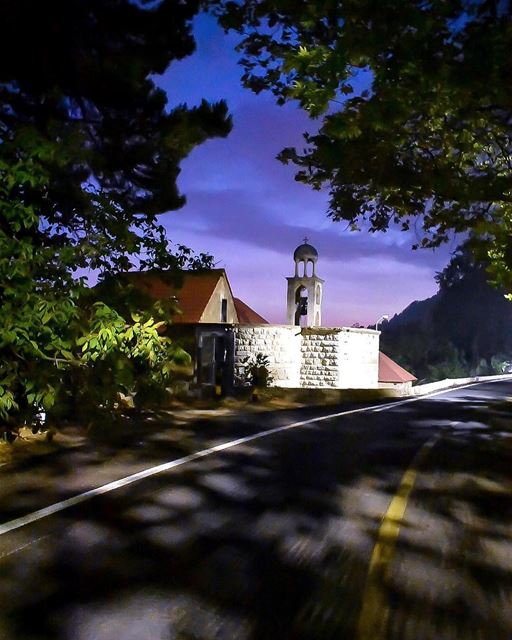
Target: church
{"type": "Point", "coordinates": [303, 353]}
{"type": "Point", "coordinates": [224, 332]}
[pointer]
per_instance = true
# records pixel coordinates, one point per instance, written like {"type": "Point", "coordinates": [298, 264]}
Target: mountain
{"type": "Point", "coordinates": [419, 311]}
{"type": "Point", "coordinates": [464, 329]}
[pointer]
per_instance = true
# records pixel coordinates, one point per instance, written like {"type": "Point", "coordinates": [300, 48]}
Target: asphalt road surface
{"type": "Point", "coordinates": [386, 523]}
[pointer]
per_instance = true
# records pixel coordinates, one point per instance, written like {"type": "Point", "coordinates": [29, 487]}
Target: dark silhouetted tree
{"type": "Point", "coordinates": [415, 108]}
{"type": "Point", "coordinates": [89, 156]}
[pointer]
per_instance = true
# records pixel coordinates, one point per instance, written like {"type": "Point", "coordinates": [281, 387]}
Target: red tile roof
{"type": "Point", "coordinates": [246, 315]}
{"type": "Point", "coordinates": [193, 294]}
{"type": "Point", "coordinates": [390, 371]}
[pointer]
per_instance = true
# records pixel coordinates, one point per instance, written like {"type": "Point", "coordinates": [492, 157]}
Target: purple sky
{"type": "Point", "coordinates": [245, 208]}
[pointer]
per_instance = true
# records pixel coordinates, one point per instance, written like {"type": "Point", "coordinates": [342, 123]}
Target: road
{"type": "Point", "coordinates": [387, 523]}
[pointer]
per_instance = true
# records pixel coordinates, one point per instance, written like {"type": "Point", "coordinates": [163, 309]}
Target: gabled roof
{"type": "Point", "coordinates": [193, 292]}
{"type": "Point", "coordinates": [390, 371]}
{"type": "Point", "coordinates": [246, 315]}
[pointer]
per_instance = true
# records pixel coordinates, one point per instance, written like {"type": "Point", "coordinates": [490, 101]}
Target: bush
{"type": "Point", "coordinates": [256, 371]}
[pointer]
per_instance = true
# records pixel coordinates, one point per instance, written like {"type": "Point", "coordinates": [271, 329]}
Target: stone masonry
{"type": "Point", "coordinates": [359, 358]}
{"type": "Point", "coordinates": [319, 365]}
{"type": "Point", "coordinates": [281, 343]}
{"type": "Point", "coordinates": [313, 357]}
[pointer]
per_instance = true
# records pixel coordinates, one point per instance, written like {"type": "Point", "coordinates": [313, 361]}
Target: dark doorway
{"type": "Point", "coordinates": [215, 359]}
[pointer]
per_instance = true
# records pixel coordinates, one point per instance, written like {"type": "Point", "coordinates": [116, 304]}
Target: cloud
{"type": "Point", "coordinates": [364, 275]}
{"type": "Point", "coordinates": [234, 214]}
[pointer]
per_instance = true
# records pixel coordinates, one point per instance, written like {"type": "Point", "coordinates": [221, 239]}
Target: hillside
{"type": "Point", "coordinates": [419, 311]}
{"type": "Point", "coordinates": [464, 329]}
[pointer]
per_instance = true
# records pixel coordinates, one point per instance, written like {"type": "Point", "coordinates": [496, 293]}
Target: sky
{"type": "Point", "coordinates": [244, 206]}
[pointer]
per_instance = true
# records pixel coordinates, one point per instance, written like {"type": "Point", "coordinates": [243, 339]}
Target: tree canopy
{"type": "Point", "coordinates": [76, 96]}
{"type": "Point", "coordinates": [415, 105]}
{"type": "Point", "coordinates": [89, 156]}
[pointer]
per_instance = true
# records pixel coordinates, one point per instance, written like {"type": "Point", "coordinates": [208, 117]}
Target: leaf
{"type": "Point", "coordinates": [48, 400]}
{"type": "Point", "coordinates": [180, 356]}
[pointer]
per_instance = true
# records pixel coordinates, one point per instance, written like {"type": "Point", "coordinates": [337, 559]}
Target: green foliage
{"type": "Point", "coordinates": [256, 371]}
{"type": "Point", "coordinates": [416, 117]}
{"type": "Point", "coordinates": [58, 342]}
{"type": "Point", "coordinates": [500, 363]}
{"type": "Point", "coordinates": [452, 365]}
{"type": "Point", "coordinates": [89, 156]}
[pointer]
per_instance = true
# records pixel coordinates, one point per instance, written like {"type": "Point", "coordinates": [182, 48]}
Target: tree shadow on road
{"type": "Point", "coordinates": [273, 539]}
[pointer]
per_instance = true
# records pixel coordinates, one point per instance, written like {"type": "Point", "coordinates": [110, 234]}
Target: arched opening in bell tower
{"type": "Point", "coordinates": [304, 293]}
{"type": "Point", "coordinates": [301, 306]}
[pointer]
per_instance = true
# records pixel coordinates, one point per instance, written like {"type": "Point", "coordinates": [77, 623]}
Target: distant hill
{"type": "Point", "coordinates": [419, 311]}
{"type": "Point", "coordinates": [464, 329]}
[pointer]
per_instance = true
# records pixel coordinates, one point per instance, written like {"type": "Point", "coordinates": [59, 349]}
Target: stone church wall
{"type": "Point", "coordinates": [281, 343]}
{"type": "Point", "coordinates": [319, 358]}
{"type": "Point", "coordinates": [358, 359]}
{"type": "Point", "coordinates": [342, 358]}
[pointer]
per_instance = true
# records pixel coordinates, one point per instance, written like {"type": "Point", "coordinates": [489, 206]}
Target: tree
{"type": "Point", "coordinates": [429, 137]}
{"type": "Point", "coordinates": [89, 156]}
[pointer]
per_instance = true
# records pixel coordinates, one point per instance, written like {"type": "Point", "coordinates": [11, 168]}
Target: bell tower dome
{"type": "Point", "coordinates": [305, 288]}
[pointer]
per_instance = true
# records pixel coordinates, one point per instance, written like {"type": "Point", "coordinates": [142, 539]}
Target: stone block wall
{"type": "Point", "coordinates": [402, 388]}
{"type": "Point", "coordinates": [319, 365]}
{"type": "Point", "coordinates": [358, 359]}
{"type": "Point", "coordinates": [281, 343]}
{"type": "Point", "coordinates": [339, 358]}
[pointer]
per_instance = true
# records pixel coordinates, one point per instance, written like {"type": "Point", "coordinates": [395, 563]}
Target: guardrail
{"type": "Point", "coordinates": [448, 383]}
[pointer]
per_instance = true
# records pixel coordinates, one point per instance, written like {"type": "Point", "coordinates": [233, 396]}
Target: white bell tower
{"type": "Point", "coordinates": [305, 289]}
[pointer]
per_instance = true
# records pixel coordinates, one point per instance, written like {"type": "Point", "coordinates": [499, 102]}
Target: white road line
{"type": "Point", "coordinates": [25, 520]}
{"type": "Point", "coordinates": [24, 546]}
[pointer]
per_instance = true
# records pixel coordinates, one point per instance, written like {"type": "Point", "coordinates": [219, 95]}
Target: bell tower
{"type": "Point", "coordinates": [305, 289]}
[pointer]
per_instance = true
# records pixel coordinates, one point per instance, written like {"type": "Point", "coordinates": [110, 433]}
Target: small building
{"type": "Point", "coordinates": [393, 376]}
{"type": "Point", "coordinates": [207, 313]}
{"type": "Point", "coordinates": [201, 296]}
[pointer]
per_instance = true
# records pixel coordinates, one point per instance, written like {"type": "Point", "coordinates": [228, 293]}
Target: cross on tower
{"type": "Point", "coordinates": [305, 239]}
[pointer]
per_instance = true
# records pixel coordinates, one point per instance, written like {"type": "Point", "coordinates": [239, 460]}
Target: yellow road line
{"type": "Point", "coordinates": [374, 616]}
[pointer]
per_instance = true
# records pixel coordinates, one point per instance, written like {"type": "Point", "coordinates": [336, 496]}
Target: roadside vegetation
{"type": "Point", "coordinates": [89, 156]}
